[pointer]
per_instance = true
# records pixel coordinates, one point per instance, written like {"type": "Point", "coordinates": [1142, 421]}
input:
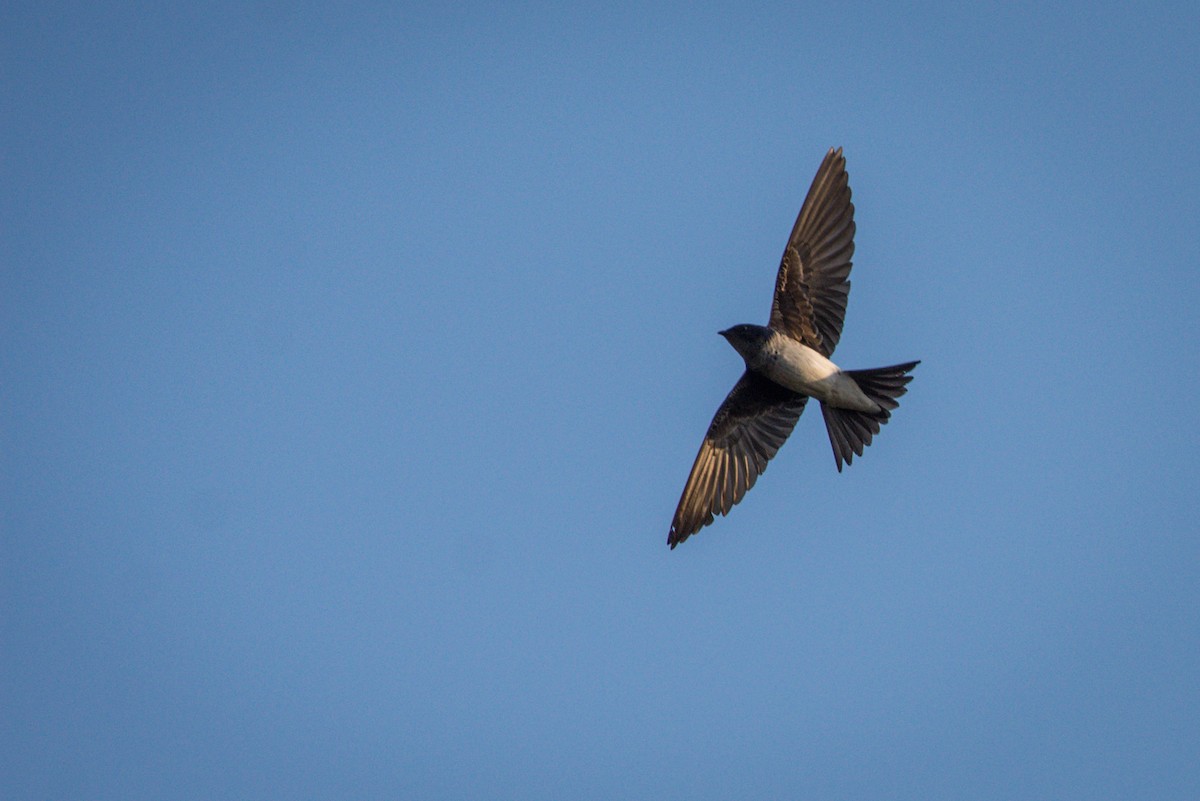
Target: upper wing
{"type": "Point", "coordinates": [753, 421]}
{"type": "Point", "coordinates": [813, 282]}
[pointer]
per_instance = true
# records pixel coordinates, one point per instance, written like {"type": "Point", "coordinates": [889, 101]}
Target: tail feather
{"type": "Point", "coordinates": [850, 431]}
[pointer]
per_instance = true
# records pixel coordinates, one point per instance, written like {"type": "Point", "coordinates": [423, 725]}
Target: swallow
{"type": "Point", "coordinates": [788, 362]}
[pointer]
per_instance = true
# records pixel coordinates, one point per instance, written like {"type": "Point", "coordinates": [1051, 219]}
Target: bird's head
{"type": "Point", "coordinates": [747, 339]}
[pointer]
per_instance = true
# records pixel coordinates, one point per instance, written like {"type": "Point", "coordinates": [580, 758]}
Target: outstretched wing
{"type": "Point", "coordinates": [753, 421]}
{"type": "Point", "coordinates": [813, 282]}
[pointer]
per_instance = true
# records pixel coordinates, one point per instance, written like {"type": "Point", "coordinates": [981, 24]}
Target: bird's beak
{"type": "Point", "coordinates": [724, 333]}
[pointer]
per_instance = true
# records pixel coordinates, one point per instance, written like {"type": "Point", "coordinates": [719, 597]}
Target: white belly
{"type": "Point", "coordinates": [801, 369]}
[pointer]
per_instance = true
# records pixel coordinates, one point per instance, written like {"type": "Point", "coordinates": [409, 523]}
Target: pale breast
{"type": "Point", "coordinates": [801, 369]}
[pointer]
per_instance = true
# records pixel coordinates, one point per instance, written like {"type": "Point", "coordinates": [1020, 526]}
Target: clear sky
{"type": "Point", "coordinates": [353, 358]}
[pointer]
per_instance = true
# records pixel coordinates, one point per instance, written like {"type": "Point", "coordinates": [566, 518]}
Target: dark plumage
{"type": "Point", "coordinates": [787, 362]}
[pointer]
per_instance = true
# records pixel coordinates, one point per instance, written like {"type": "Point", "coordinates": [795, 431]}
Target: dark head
{"type": "Point", "coordinates": [747, 339]}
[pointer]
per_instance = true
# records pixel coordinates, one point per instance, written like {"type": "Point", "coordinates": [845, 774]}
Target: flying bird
{"type": "Point", "coordinates": [787, 362]}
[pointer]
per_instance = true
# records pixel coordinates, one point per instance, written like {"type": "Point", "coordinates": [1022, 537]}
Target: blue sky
{"type": "Point", "coordinates": [353, 360]}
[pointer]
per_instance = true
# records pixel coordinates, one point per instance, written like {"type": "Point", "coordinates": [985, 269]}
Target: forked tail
{"type": "Point", "coordinates": [851, 431]}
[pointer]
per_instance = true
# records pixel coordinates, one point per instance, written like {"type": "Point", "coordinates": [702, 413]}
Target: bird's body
{"type": "Point", "coordinates": [801, 369]}
{"type": "Point", "coordinates": [788, 362]}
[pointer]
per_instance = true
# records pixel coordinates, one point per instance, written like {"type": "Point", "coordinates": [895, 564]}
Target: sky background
{"type": "Point", "coordinates": [353, 358]}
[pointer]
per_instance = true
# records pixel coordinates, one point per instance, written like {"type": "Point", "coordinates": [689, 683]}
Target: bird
{"type": "Point", "coordinates": [788, 362]}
